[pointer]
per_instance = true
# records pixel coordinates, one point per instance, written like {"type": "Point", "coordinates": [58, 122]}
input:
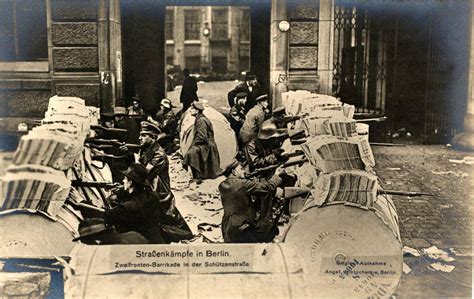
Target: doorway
{"type": "Point", "coordinates": [146, 44]}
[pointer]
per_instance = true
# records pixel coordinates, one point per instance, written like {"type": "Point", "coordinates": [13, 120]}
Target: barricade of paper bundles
{"type": "Point", "coordinates": [337, 147]}
{"type": "Point", "coordinates": [36, 180]}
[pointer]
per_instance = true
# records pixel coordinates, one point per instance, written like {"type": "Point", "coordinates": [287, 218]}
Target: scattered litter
{"type": "Point", "coordinates": [455, 173]}
{"type": "Point", "coordinates": [394, 168]}
{"type": "Point", "coordinates": [448, 145]}
{"type": "Point", "coordinates": [406, 268]}
{"type": "Point", "coordinates": [441, 267]}
{"type": "Point", "coordinates": [465, 160]}
{"type": "Point", "coordinates": [407, 251]}
{"type": "Point", "coordinates": [459, 252]}
{"type": "Point", "coordinates": [448, 206]}
{"type": "Point", "coordinates": [437, 254]}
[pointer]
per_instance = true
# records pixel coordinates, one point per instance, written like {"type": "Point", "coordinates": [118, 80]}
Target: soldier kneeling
{"type": "Point", "coordinates": [240, 223]}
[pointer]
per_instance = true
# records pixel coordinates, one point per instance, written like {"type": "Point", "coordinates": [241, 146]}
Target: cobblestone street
{"type": "Point", "coordinates": [444, 220]}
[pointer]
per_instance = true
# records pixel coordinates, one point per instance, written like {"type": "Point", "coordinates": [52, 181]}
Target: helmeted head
{"type": "Point", "coordinates": [269, 130]}
{"type": "Point", "coordinates": [166, 104]}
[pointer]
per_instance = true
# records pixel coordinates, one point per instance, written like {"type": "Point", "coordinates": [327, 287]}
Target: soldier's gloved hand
{"type": "Point", "coordinates": [278, 151]}
{"type": "Point", "coordinates": [123, 149]}
{"type": "Point", "coordinates": [282, 159]}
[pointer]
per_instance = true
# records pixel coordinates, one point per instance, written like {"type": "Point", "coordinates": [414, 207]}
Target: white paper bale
{"type": "Point", "coordinates": [34, 187]}
{"type": "Point", "coordinates": [55, 148]}
{"type": "Point", "coordinates": [349, 252]}
{"type": "Point", "coordinates": [223, 135]}
{"type": "Point", "coordinates": [34, 234]}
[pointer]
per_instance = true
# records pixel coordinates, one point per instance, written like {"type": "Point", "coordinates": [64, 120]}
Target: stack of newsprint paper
{"type": "Point", "coordinates": [337, 148]}
{"type": "Point", "coordinates": [36, 178]}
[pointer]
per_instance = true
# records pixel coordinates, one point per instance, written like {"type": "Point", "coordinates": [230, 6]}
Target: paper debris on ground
{"type": "Point", "coordinates": [455, 173]}
{"type": "Point", "coordinates": [460, 252]}
{"type": "Point", "coordinates": [407, 251]}
{"type": "Point", "coordinates": [437, 254]}
{"type": "Point", "coordinates": [465, 160]}
{"type": "Point", "coordinates": [394, 168]}
{"type": "Point", "coordinates": [406, 268]}
{"type": "Point", "coordinates": [441, 267]}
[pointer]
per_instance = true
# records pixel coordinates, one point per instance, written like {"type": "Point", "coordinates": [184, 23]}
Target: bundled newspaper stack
{"type": "Point", "coordinates": [36, 179]}
{"type": "Point", "coordinates": [337, 149]}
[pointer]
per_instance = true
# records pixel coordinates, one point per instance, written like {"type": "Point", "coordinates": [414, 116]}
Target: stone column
{"type": "Point", "coordinates": [278, 53]}
{"type": "Point", "coordinates": [178, 32]}
{"type": "Point", "coordinates": [234, 21]}
{"type": "Point", "coordinates": [325, 45]}
{"type": "Point", "coordinates": [116, 48]}
{"type": "Point", "coordinates": [465, 140]}
{"type": "Point", "coordinates": [106, 77]}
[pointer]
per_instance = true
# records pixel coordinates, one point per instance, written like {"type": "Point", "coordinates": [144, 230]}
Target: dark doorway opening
{"type": "Point", "coordinates": [144, 40]}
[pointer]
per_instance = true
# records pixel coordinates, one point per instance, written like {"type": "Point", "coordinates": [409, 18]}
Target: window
{"type": "Point", "coordinates": [192, 24]}
{"type": "Point", "coordinates": [23, 30]}
{"type": "Point", "coordinates": [245, 25]}
{"type": "Point", "coordinates": [169, 23]}
{"type": "Point", "coordinates": [219, 23]}
{"type": "Point", "coordinates": [193, 63]}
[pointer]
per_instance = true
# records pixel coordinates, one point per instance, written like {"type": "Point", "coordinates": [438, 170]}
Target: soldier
{"type": "Point", "coordinates": [139, 209]}
{"type": "Point", "coordinates": [203, 155]}
{"type": "Point", "coordinates": [156, 162]}
{"type": "Point", "coordinates": [188, 91]}
{"type": "Point", "coordinates": [166, 121]}
{"type": "Point", "coordinates": [242, 222]}
{"type": "Point", "coordinates": [265, 149]}
{"type": "Point", "coordinates": [253, 120]}
{"type": "Point", "coordinates": [237, 113]}
{"type": "Point", "coordinates": [135, 108]}
{"type": "Point", "coordinates": [250, 87]}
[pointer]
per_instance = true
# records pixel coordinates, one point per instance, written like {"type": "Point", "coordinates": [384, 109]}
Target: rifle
{"type": "Point", "coordinates": [102, 128]}
{"type": "Point", "coordinates": [288, 119]}
{"type": "Point", "coordinates": [111, 142]}
{"type": "Point", "coordinates": [93, 184]}
{"type": "Point", "coordinates": [295, 154]}
{"type": "Point", "coordinates": [79, 206]}
{"type": "Point", "coordinates": [376, 119]}
{"type": "Point", "coordinates": [403, 193]}
{"type": "Point", "coordinates": [273, 167]}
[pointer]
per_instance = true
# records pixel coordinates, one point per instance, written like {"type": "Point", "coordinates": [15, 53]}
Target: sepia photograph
{"type": "Point", "coordinates": [236, 148]}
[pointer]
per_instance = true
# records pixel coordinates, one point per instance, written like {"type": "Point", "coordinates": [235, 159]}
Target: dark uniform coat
{"type": "Point", "coordinates": [157, 164]}
{"type": "Point", "coordinates": [253, 120]}
{"type": "Point", "coordinates": [188, 92]}
{"type": "Point", "coordinates": [237, 118]}
{"type": "Point", "coordinates": [203, 155]}
{"type": "Point", "coordinates": [168, 125]}
{"type": "Point", "coordinates": [140, 212]}
{"type": "Point", "coordinates": [259, 154]}
{"type": "Point", "coordinates": [239, 223]}
{"type": "Point", "coordinates": [251, 95]}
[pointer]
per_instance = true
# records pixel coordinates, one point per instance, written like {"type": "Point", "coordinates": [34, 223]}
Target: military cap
{"type": "Point", "coordinates": [149, 128]}
{"type": "Point", "coordinates": [198, 106]}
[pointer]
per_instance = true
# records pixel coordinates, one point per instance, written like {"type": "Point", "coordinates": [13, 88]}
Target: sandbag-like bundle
{"type": "Point", "coordinates": [329, 153]}
{"type": "Point", "coordinates": [223, 135]}
{"type": "Point", "coordinates": [68, 110]}
{"type": "Point", "coordinates": [34, 187]}
{"type": "Point", "coordinates": [54, 147]}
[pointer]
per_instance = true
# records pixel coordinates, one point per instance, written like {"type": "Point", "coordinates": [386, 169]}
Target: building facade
{"type": "Point", "coordinates": [406, 60]}
{"type": "Point", "coordinates": [208, 39]}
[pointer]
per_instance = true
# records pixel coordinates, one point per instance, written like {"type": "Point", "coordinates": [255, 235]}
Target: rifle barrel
{"type": "Point", "coordinates": [403, 193]}
{"type": "Point", "coordinates": [93, 184]}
